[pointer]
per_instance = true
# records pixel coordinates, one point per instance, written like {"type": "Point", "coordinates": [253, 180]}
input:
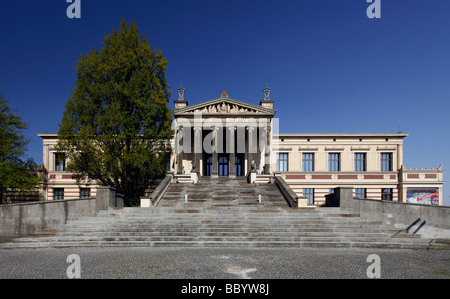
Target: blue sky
{"type": "Point", "coordinates": [330, 68]}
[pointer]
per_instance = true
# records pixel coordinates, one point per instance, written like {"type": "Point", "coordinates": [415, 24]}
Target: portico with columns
{"type": "Point", "coordinates": [223, 137]}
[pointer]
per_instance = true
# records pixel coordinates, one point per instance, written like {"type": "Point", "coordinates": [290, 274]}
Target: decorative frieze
{"type": "Point", "coordinates": [224, 107]}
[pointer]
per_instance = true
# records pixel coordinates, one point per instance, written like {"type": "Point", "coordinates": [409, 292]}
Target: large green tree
{"type": "Point", "coordinates": [15, 173]}
{"type": "Point", "coordinates": [116, 128]}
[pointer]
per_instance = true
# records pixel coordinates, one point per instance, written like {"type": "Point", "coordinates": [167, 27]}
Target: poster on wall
{"type": "Point", "coordinates": [427, 196]}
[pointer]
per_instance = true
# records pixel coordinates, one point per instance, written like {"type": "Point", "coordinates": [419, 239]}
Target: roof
{"type": "Point", "coordinates": [55, 135]}
{"type": "Point", "coordinates": [251, 109]}
{"type": "Point", "coordinates": [400, 134]}
{"type": "Point", "coordinates": [48, 135]}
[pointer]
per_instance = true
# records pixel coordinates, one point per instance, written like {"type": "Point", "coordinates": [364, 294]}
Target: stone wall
{"type": "Point", "coordinates": [426, 220]}
{"type": "Point", "coordinates": [18, 220]}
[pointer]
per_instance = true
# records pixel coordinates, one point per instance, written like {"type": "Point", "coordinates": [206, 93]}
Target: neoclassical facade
{"type": "Point", "coordinates": [222, 137]}
{"type": "Point", "coordinates": [228, 138]}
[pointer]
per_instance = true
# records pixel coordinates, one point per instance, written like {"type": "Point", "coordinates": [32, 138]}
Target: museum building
{"type": "Point", "coordinates": [228, 139]}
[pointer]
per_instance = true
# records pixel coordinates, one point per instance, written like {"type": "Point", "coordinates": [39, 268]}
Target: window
{"type": "Point", "coordinates": [85, 192]}
{"type": "Point", "coordinates": [60, 161]}
{"type": "Point", "coordinates": [360, 162]}
{"type": "Point", "coordinates": [386, 162]}
{"type": "Point", "coordinates": [334, 162]}
{"type": "Point", "coordinates": [309, 194]}
{"type": "Point", "coordinates": [58, 193]}
{"type": "Point", "coordinates": [308, 162]}
{"type": "Point", "coordinates": [387, 194]}
{"type": "Point", "coordinates": [282, 162]}
{"type": "Point", "coordinates": [360, 192]}
{"type": "Point", "coordinates": [331, 190]}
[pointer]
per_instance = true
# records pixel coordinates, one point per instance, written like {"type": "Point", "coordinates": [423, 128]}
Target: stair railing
{"type": "Point", "coordinates": [288, 193]}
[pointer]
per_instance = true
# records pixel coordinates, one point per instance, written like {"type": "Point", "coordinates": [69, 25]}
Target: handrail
{"type": "Point", "coordinates": [159, 191]}
{"type": "Point", "coordinates": [288, 193]}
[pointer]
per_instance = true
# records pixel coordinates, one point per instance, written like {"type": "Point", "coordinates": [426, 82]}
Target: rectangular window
{"type": "Point", "coordinates": [387, 194]}
{"type": "Point", "coordinates": [360, 192]}
{"type": "Point", "coordinates": [386, 161]}
{"type": "Point", "coordinates": [334, 162]}
{"type": "Point", "coordinates": [331, 190]}
{"type": "Point", "coordinates": [60, 162]}
{"type": "Point", "coordinates": [85, 192]}
{"type": "Point", "coordinates": [309, 194]}
{"type": "Point", "coordinates": [308, 162]}
{"type": "Point", "coordinates": [360, 162]}
{"type": "Point", "coordinates": [282, 162]}
{"type": "Point", "coordinates": [58, 193]}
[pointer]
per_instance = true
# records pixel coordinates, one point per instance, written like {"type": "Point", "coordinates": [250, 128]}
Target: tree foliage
{"type": "Point", "coordinates": [116, 128]}
{"type": "Point", "coordinates": [15, 173]}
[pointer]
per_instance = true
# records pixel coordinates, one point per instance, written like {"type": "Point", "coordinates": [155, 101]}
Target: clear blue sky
{"type": "Point", "coordinates": [331, 68]}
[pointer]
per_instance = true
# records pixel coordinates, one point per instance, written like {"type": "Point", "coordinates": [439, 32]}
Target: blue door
{"type": "Point", "coordinates": [238, 166]}
{"type": "Point", "coordinates": [208, 168]}
{"type": "Point", "coordinates": [223, 166]}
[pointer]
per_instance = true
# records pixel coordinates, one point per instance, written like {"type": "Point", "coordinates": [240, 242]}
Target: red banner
{"type": "Point", "coordinates": [427, 196]}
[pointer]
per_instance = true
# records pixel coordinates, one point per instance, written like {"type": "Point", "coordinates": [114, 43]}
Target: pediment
{"type": "Point", "coordinates": [224, 106]}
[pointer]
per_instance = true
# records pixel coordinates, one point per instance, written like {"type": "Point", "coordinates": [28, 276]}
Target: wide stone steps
{"type": "Point", "coordinates": [223, 192]}
{"type": "Point", "coordinates": [221, 244]}
{"type": "Point", "coordinates": [242, 239]}
{"type": "Point", "coordinates": [227, 214]}
{"type": "Point", "coordinates": [319, 234]}
{"type": "Point", "coordinates": [239, 227]}
{"type": "Point", "coordinates": [200, 234]}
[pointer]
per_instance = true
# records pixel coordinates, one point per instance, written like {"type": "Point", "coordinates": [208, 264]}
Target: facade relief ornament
{"type": "Point", "coordinates": [226, 108]}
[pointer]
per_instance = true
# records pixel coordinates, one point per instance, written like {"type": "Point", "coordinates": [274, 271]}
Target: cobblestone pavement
{"type": "Point", "coordinates": [173, 263]}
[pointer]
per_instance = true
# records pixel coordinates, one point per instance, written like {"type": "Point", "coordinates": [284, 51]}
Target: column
{"type": "Point", "coordinates": [179, 150]}
{"type": "Point", "coordinates": [197, 148]}
{"type": "Point", "coordinates": [232, 154]}
{"type": "Point", "coordinates": [251, 146]}
{"type": "Point", "coordinates": [215, 160]}
{"type": "Point", "coordinates": [265, 154]}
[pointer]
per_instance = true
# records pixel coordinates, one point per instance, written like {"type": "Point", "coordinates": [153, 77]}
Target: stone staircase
{"type": "Point", "coordinates": [223, 192]}
{"type": "Point", "coordinates": [226, 214]}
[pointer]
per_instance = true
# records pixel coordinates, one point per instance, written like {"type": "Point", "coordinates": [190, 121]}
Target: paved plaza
{"type": "Point", "coordinates": [221, 263]}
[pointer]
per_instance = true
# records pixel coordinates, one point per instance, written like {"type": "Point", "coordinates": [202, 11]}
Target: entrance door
{"type": "Point", "coordinates": [223, 165]}
{"type": "Point", "coordinates": [208, 166]}
{"type": "Point", "coordinates": [238, 166]}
